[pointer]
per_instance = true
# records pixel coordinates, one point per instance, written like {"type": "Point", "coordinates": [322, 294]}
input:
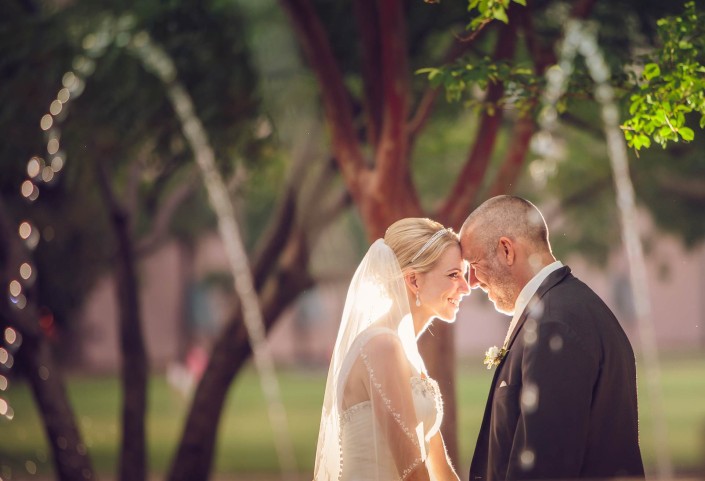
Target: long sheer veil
{"type": "Point", "coordinates": [376, 307]}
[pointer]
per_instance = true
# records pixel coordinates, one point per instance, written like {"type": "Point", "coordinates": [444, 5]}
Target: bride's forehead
{"type": "Point", "coordinates": [450, 258]}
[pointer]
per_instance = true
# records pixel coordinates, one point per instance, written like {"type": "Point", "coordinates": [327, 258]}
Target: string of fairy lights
{"type": "Point", "coordinates": [44, 170]}
{"type": "Point", "coordinates": [41, 171]}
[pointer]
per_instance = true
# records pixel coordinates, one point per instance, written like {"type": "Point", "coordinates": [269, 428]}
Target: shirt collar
{"type": "Point", "coordinates": [527, 293]}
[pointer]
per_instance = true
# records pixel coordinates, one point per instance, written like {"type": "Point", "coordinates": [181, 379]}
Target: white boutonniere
{"type": "Point", "coordinates": [494, 356]}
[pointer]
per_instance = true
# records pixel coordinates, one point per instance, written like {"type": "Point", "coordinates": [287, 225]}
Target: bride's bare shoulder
{"type": "Point", "coordinates": [384, 340]}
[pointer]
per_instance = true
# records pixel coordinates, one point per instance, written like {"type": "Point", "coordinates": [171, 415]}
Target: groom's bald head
{"type": "Point", "coordinates": [506, 216]}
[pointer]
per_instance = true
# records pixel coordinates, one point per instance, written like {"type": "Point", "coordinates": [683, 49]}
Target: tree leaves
{"type": "Point", "coordinates": [459, 78]}
{"type": "Point", "coordinates": [672, 84]}
{"type": "Point", "coordinates": [489, 10]}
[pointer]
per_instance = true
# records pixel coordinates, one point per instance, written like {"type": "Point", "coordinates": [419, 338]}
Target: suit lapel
{"type": "Point", "coordinates": [534, 304]}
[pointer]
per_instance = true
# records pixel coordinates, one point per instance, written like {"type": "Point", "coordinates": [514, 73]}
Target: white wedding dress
{"type": "Point", "coordinates": [386, 436]}
{"type": "Point", "coordinates": [361, 461]}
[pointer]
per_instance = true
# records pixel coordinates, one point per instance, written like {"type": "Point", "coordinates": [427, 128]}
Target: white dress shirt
{"type": "Point", "coordinates": [527, 293]}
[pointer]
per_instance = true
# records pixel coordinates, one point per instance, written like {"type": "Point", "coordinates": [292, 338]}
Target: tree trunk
{"type": "Point", "coordinates": [437, 347]}
{"type": "Point", "coordinates": [286, 281]}
{"type": "Point", "coordinates": [133, 451]}
{"type": "Point", "coordinates": [48, 387]}
{"type": "Point", "coordinates": [35, 359]}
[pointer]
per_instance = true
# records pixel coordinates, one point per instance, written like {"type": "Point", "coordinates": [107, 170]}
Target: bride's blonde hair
{"type": "Point", "coordinates": [418, 242]}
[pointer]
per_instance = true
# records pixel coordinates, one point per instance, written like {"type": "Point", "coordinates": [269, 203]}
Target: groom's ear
{"type": "Point", "coordinates": [506, 250]}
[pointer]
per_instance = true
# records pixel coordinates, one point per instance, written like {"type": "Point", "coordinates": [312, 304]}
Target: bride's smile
{"type": "Point", "coordinates": [442, 288]}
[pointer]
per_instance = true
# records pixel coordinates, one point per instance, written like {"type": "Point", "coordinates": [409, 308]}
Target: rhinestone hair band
{"type": "Point", "coordinates": [428, 243]}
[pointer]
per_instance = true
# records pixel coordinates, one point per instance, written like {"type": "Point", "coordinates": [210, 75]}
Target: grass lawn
{"type": "Point", "coordinates": [245, 439]}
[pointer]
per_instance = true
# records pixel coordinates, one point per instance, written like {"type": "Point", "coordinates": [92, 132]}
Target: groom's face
{"type": "Point", "coordinates": [489, 274]}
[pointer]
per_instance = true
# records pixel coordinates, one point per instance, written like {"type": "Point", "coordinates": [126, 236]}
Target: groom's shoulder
{"type": "Point", "coordinates": [567, 281]}
{"type": "Point", "coordinates": [572, 294]}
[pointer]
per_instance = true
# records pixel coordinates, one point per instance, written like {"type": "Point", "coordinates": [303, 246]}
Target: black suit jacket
{"type": "Point", "coordinates": [563, 402]}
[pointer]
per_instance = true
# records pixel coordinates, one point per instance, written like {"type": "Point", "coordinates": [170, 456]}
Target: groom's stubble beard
{"type": "Point", "coordinates": [504, 289]}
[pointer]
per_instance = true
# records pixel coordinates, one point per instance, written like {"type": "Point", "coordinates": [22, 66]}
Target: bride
{"type": "Point", "coordinates": [381, 412]}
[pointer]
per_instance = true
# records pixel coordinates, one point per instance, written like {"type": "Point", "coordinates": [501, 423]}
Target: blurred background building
{"type": "Point", "coordinates": [184, 310]}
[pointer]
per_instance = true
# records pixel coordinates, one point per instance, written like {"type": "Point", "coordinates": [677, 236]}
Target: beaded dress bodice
{"type": "Point", "coordinates": [361, 461]}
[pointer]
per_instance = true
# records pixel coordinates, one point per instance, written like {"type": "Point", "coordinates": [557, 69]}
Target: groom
{"type": "Point", "coordinates": [563, 401]}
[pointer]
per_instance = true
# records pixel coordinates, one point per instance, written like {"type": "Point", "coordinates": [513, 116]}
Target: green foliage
{"type": "Point", "coordinates": [122, 119]}
{"type": "Point", "coordinates": [664, 103]}
{"type": "Point", "coordinates": [489, 10]}
{"type": "Point", "coordinates": [672, 84]}
{"type": "Point", "coordinates": [458, 79]}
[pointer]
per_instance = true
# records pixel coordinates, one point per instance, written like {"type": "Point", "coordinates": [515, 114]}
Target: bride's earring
{"type": "Point", "coordinates": [418, 301]}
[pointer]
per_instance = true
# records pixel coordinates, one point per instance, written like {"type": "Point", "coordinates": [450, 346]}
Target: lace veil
{"type": "Point", "coordinates": [376, 329]}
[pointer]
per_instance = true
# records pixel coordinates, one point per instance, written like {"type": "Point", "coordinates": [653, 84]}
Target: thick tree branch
{"type": "Point", "coordinates": [274, 238]}
{"type": "Point", "coordinates": [330, 211]}
{"type": "Point", "coordinates": [36, 360]}
{"type": "Point", "coordinates": [392, 154]}
{"type": "Point", "coordinates": [280, 269]}
{"type": "Point", "coordinates": [133, 456]}
{"type": "Point", "coordinates": [573, 120]}
{"type": "Point", "coordinates": [466, 188]}
{"type": "Point", "coordinates": [687, 188]}
{"type": "Point", "coordinates": [369, 31]}
{"type": "Point", "coordinates": [319, 55]}
{"type": "Point", "coordinates": [428, 100]}
{"type": "Point", "coordinates": [168, 208]}
{"type": "Point", "coordinates": [283, 221]}
{"type": "Point", "coordinates": [510, 171]}
{"type": "Point", "coordinates": [525, 127]}
{"type": "Point", "coordinates": [132, 190]}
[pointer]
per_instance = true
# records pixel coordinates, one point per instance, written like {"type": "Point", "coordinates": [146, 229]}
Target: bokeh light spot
{"type": "Point", "coordinates": [20, 302]}
{"type": "Point", "coordinates": [63, 96]}
{"type": "Point", "coordinates": [15, 288]}
{"type": "Point", "coordinates": [34, 166]}
{"type": "Point", "coordinates": [53, 146]}
{"type": "Point", "coordinates": [536, 309]}
{"type": "Point", "coordinates": [44, 373]}
{"type": "Point", "coordinates": [530, 398]}
{"type": "Point", "coordinates": [10, 335]}
{"type": "Point", "coordinates": [26, 271]}
{"type": "Point", "coordinates": [57, 162]}
{"type": "Point", "coordinates": [25, 230]}
{"type": "Point", "coordinates": [527, 459]}
{"type": "Point", "coordinates": [55, 107]}
{"type": "Point", "coordinates": [530, 334]}
{"type": "Point", "coordinates": [31, 467]}
{"type": "Point", "coordinates": [68, 81]}
{"type": "Point", "coordinates": [3, 382]}
{"type": "Point", "coordinates": [46, 122]}
{"type": "Point", "coordinates": [3, 407]}
{"type": "Point", "coordinates": [47, 174]}
{"type": "Point", "coordinates": [556, 343]}
{"type": "Point", "coordinates": [27, 188]}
